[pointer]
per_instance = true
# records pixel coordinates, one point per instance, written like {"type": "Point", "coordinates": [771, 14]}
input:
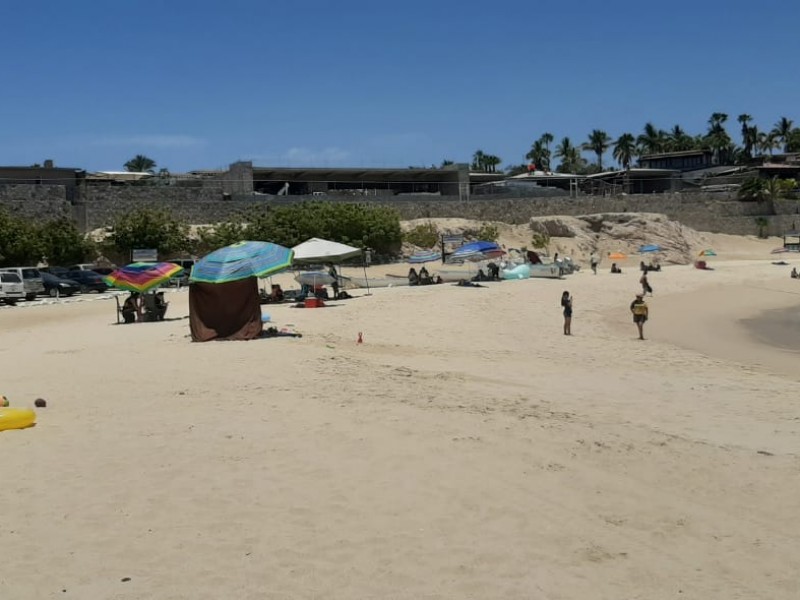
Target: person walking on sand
{"type": "Point", "coordinates": [646, 289]}
{"type": "Point", "coordinates": [640, 312]}
{"type": "Point", "coordinates": [566, 303]}
{"type": "Point", "coordinates": [594, 261]}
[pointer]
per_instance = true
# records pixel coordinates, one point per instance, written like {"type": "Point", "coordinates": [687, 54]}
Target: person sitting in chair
{"type": "Point", "coordinates": [413, 278]}
{"type": "Point", "coordinates": [615, 268]}
{"type": "Point", "coordinates": [794, 273]}
{"type": "Point", "coordinates": [494, 271]}
{"type": "Point", "coordinates": [276, 295]}
{"type": "Point", "coordinates": [130, 308]}
{"type": "Point", "coordinates": [161, 306]}
{"type": "Point", "coordinates": [424, 276]}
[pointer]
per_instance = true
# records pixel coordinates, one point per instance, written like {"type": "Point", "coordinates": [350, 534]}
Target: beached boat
{"type": "Point", "coordinates": [546, 271]}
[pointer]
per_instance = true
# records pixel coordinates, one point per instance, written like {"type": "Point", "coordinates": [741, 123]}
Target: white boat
{"type": "Point", "coordinates": [313, 278]}
{"type": "Point", "coordinates": [546, 271]}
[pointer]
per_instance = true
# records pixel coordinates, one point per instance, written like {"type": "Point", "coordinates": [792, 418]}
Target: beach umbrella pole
{"type": "Point", "coordinates": [364, 264]}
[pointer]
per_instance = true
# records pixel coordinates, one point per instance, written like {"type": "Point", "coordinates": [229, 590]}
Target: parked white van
{"type": "Point", "coordinates": [31, 280]}
{"type": "Point", "coordinates": [11, 288]}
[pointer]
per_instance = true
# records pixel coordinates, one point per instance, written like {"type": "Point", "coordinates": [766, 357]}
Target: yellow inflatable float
{"type": "Point", "coordinates": [16, 418]}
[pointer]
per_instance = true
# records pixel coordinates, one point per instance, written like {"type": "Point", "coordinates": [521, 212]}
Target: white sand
{"type": "Point", "coordinates": [467, 449]}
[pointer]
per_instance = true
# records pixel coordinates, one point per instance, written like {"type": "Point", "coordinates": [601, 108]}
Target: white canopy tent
{"type": "Point", "coordinates": [317, 250]}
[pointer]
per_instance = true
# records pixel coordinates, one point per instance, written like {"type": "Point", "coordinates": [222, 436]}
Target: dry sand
{"type": "Point", "coordinates": [467, 449]}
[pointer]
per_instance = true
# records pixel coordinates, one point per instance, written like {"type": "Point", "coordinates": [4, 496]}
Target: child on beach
{"type": "Point", "coordinates": [566, 303]}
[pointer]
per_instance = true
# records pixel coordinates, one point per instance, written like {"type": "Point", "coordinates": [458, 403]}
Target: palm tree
{"type": "Point", "coordinates": [625, 150]}
{"type": "Point", "coordinates": [539, 155]}
{"type": "Point", "coordinates": [717, 138]}
{"type": "Point", "coordinates": [678, 140]}
{"type": "Point", "coordinates": [782, 131]}
{"type": "Point", "coordinates": [140, 164]}
{"type": "Point", "coordinates": [491, 162]}
{"type": "Point", "coordinates": [547, 139]}
{"type": "Point", "coordinates": [744, 119]}
{"type": "Point", "coordinates": [651, 141]}
{"type": "Point", "coordinates": [599, 141]}
{"type": "Point", "coordinates": [478, 161]}
{"type": "Point", "coordinates": [767, 142]}
{"type": "Point", "coordinates": [793, 143]}
{"type": "Point", "coordinates": [569, 155]}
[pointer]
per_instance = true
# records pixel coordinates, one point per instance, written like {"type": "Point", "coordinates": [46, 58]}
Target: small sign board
{"type": "Point", "coordinates": [144, 255]}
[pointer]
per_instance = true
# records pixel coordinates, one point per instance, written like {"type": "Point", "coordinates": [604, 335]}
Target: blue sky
{"type": "Point", "coordinates": [201, 84]}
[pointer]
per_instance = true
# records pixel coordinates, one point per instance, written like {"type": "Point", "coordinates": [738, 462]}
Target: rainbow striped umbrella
{"type": "Point", "coordinates": [141, 276]}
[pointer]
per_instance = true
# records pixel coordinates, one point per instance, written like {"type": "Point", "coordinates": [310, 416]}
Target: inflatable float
{"type": "Point", "coordinates": [16, 418]}
{"type": "Point", "coordinates": [519, 272]}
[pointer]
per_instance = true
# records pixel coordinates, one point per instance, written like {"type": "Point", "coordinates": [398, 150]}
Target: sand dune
{"type": "Point", "coordinates": [467, 449]}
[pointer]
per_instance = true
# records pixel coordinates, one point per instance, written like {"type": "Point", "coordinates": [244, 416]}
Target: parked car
{"type": "Point", "coordinates": [31, 280]}
{"type": "Point", "coordinates": [183, 278]}
{"type": "Point", "coordinates": [91, 267]}
{"type": "Point", "coordinates": [57, 271]}
{"type": "Point", "coordinates": [89, 281]}
{"type": "Point", "coordinates": [55, 287]}
{"type": "Point", "coordinates": [12, 289]}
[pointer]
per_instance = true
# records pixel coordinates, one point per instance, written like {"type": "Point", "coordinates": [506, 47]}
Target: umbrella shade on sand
{"type": "Point", "coordinates": [141, 277]}
{"type": "Point", "coordinates": [617, 256]}
{"type": "Point", "coordinates": [648, 248]}
{"type": "Point", "coordinates": [476, 251]}
{"type": "Point", "coordinates": [240, 261]}
{"type": "Point", "coordinates": [425, 257]}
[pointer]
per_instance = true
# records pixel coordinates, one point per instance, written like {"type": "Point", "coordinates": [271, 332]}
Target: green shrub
{"type": "Point", "coordinates": [149, 228]}
{"type": "Point", "coordinates": [424, 236]}
{"type": "Point", "coordinates": [359, 225]}
{"type": "Point", "coordinates": [25, 241]}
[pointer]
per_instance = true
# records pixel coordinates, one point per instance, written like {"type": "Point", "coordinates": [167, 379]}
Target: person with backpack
{"type": "Point", "coordinates": [640, 312]}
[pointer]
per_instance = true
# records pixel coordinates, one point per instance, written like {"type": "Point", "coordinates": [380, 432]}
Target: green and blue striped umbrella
{"type": "Point", "coordinates": [240, 261]}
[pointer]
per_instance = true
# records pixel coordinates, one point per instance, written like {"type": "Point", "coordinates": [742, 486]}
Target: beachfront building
{"type": "Point", "coordinates": [245, 179]}
{"type": "Point", "coordinates": [633, 181]}
{"type": "Point", "coordinates": [687, 160]}
{"type": "Point", "coordinates": [45, 174]}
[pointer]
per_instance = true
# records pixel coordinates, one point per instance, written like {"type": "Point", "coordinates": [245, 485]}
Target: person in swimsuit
{"type": "Point", "coordinates": [566, 304]}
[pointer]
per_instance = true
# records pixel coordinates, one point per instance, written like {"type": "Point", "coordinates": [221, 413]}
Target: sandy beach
{"type": "Point", "coordinates": [466, 449]}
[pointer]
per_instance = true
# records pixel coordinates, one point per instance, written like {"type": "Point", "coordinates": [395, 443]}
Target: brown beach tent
{"type": "Point", "coordinates": [225, 311]}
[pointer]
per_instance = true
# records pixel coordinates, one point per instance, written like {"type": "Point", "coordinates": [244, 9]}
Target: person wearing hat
{"type": "Point", "coordinates": [639, 312]}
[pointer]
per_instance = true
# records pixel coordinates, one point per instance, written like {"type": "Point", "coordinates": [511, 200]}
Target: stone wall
{"type": "Point", "coordinates": [98, 206]}
{"type": "Point", "coordinates": [36, 201]}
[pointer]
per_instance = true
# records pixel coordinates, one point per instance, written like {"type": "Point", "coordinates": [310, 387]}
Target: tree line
{"type": "Point", "coordinates": [652, 140]}
{"type": "Point", "coordinates": [27, 241]}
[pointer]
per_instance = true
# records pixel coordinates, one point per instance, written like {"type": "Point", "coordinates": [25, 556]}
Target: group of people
{"type": "Point", "coordinates": [638, 308]}
{"type": "Point", "coordinates": [422, 278]}
{"type": "Point", "coordinates": [144, 307]}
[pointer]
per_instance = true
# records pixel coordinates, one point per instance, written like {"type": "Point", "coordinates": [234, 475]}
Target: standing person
{"type": "Point", "coordinates": [566, 303]}
{"type": "Point", "coordinates": [335, 285]}
{"type": "Point", "coordinates": [639, 311]}
{"type": "Point", "coordinates": [646, 289]}
{"type": "Point", "coordinates": [594, 261]}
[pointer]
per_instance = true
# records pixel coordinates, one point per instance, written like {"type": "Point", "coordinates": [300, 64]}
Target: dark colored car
{"type": "Point", "coordinates": [62, 272]}
{"type": "Point", "coordinates": [58, 286]}
{"type": "Point", "coordinates": [89, 281]}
